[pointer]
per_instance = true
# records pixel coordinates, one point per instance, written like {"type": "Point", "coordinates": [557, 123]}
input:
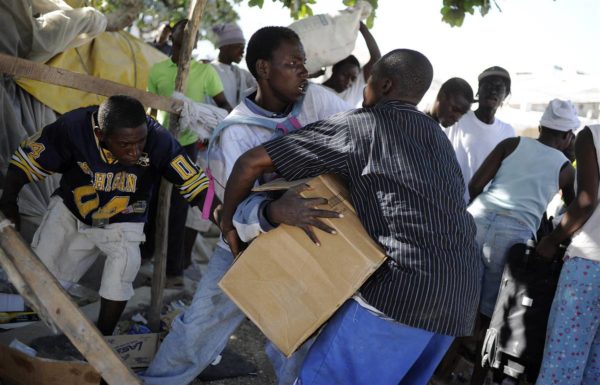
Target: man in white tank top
{"type": "Point", "coordinates": [573, 326]}
{"type": "Point", "coordinates": [523, 175]}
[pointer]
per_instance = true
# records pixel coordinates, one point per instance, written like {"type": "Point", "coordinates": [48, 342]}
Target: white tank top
{"type": "Point", "coordinates": [586, 241]}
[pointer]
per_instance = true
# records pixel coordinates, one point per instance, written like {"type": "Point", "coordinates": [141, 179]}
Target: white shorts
{"type": "Point", "coordinates": [68, 247]}
{"type": "Point", "coordinates": [194, 220]}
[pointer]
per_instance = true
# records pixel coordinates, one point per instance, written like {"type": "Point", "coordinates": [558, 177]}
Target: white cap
{"type": "Point", "coordinates": [560, 115]}
{"type": "Point", "coordinates": [228, 33]}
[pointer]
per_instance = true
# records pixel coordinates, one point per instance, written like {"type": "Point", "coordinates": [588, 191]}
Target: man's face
{"type": "Point", "coordinates": [373, 91]}
{"type": "Point", "coordinates": [492, 91]}
{"type": "Point", "coordinates": [233, 52]}
{"type": "Point", "coordinates": [177, 39]}
{"type": "Point", "coordinates": [287, 75]}
{"type": "Point", "coordinates": [345, 76]}
{"type": "Point", "coordinates": [125, 144]}
{"type": "Point", "coordinates": [451, 108]}
{"type": "Point", "coordinates": [568, 146]}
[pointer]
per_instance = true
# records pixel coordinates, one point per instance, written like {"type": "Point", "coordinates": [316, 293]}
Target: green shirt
{"type": "Point", "coordinates": [202, 81]}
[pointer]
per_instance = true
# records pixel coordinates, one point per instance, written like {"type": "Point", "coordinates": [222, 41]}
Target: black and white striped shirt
{"type": "Point", "coordinates": [407, 189]}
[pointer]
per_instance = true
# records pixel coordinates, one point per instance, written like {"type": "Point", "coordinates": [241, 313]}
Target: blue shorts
{"type": "Point", "coordinates": [359, 347]}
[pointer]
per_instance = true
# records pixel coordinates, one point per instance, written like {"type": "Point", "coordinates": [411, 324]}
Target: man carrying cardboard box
{"type": "Point", "coordinates": [284, 101]}
{"type": "Point", "coordinates": [407, 188]}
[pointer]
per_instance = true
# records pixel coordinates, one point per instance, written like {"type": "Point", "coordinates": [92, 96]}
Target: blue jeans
{"type": "Point", "coordinates": [199, 335]}
{"type": "Point", "coordinates": [496, 234]}
{"type": "Point", "coordinates": [359, 347]}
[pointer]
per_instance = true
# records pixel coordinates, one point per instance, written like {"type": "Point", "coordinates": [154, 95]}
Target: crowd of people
{"type": "Point", "coordinates": [445, 192]}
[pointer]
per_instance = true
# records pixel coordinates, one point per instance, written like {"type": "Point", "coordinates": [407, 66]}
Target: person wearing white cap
{"type": "Point", "coordinates": [236, 81]}
{"type": "Point", "coordinates": [523, 175]}
{"type": "Point", "coordinates": [572, 348]}
{"type": "Point", "coordinates": [477, 132]}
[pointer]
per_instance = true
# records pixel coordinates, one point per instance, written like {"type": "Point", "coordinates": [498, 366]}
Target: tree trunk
{"type": "Point", "coordinates": [160, 253]}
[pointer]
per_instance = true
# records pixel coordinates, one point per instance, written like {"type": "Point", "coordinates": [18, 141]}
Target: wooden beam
{"type": "Point", "coordinates": [164, 196]}
{"type": "Point", "coordinates": [18, 67]}
{"type": "Point", "coordinates": [185, 54]}
{"type": "Point", "coordinates": [54, 302]}
{"type": "Point", "coordinates": [160, 255]}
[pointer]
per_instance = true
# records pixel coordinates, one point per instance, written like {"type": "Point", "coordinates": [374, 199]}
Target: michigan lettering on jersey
{"type": "Point", "coordinates": [119, 181]}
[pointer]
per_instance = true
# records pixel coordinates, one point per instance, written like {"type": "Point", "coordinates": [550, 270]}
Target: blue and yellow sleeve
{"type": "Point", "coordinates": [37, 156]}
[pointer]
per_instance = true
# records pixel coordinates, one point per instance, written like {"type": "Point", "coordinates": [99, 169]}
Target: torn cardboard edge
{"type": "Point", "coordinates": [287, 285]}
{"type": "Point", "coordinates": [280, 184]}
{"type": "Point", "coordinates": [16, 367]}
{"type": "Point", "coordinates": [19, 368]}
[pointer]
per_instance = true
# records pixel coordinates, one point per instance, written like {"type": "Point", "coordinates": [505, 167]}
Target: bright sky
{"type": "Point", "coordinates": [532, 39]}
{"type": "Point", "coordinates": [526, 36]}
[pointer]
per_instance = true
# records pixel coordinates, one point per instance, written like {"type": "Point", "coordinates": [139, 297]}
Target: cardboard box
{"type": "Point", "coordinates": [136, 350]}
{"type": "Point", "coordinates": [17, 368]}
{"type": "Point", "coordinates": [287, 285]}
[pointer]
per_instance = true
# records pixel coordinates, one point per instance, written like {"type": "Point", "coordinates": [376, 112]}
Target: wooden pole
{"type": "Point", "coordinates": [160, 255]}
{"type": "Point", "coordinates": [164, 197]}
{"type": "Point", "coordinates": [23, 68]}
{"type": "Point", "coordinates": [53, 302]}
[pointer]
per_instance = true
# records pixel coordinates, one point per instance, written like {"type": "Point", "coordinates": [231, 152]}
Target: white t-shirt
{"type": "Point", "coordinates": [586, 241]}
{"type": "Point", "coordinates": [473, 140]}
{"type": "Point", "coordinates": [236, 81]}
{"type": "Point", "coordinates": [353, 94]}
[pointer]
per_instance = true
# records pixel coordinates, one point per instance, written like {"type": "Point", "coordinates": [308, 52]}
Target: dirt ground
{"type": "Point", "coordinates": [248, 342]}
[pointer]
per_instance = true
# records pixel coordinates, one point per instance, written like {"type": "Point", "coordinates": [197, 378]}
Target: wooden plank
{"type": "Point", "coordinates": [18, 67]}
{"type": "Point", "coordinates": [189, 41]}
{"type": "Point", "coordinates": [160, 255]}
{"type": "Point", "coordinates": [164, 196]}
{"type": "Point", "coordinates": [57, 305]}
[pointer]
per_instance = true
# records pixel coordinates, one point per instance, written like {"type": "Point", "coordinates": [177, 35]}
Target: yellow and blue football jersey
{"type": "Point", "coordinates": [94, 185]}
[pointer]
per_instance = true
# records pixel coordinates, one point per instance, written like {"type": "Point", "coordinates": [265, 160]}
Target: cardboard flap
{"type": "Point", "coordinates": [19, 368]}
{"type": "Point", "coordinates": [280, 184]}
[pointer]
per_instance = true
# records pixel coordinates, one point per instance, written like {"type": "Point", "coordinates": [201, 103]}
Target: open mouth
{"type": "Point", "coordinates": [303, 87]}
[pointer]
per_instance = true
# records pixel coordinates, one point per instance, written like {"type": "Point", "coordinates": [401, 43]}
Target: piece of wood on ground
{"type": "Point", "coordinates": [55, 303]}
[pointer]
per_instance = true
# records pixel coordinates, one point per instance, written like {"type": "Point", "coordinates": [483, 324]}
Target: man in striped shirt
{"type": "Point", "coordinates": [407, 188]}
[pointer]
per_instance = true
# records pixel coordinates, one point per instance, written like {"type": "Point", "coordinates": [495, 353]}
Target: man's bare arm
{"type": "Point", "coordinates": [373, 48]}
{"type": "Point", "coordinates": [247, 169]}
{"type": "Point", "coordinates": [585, 203]}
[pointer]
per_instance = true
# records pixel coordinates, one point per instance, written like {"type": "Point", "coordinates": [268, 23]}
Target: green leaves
{"type": "Point", "coordinates": [256, 3]}
{"type": "Point", "coordinates": [453, 11]}
{"type": "Point", "coordinates": [219, 11]}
